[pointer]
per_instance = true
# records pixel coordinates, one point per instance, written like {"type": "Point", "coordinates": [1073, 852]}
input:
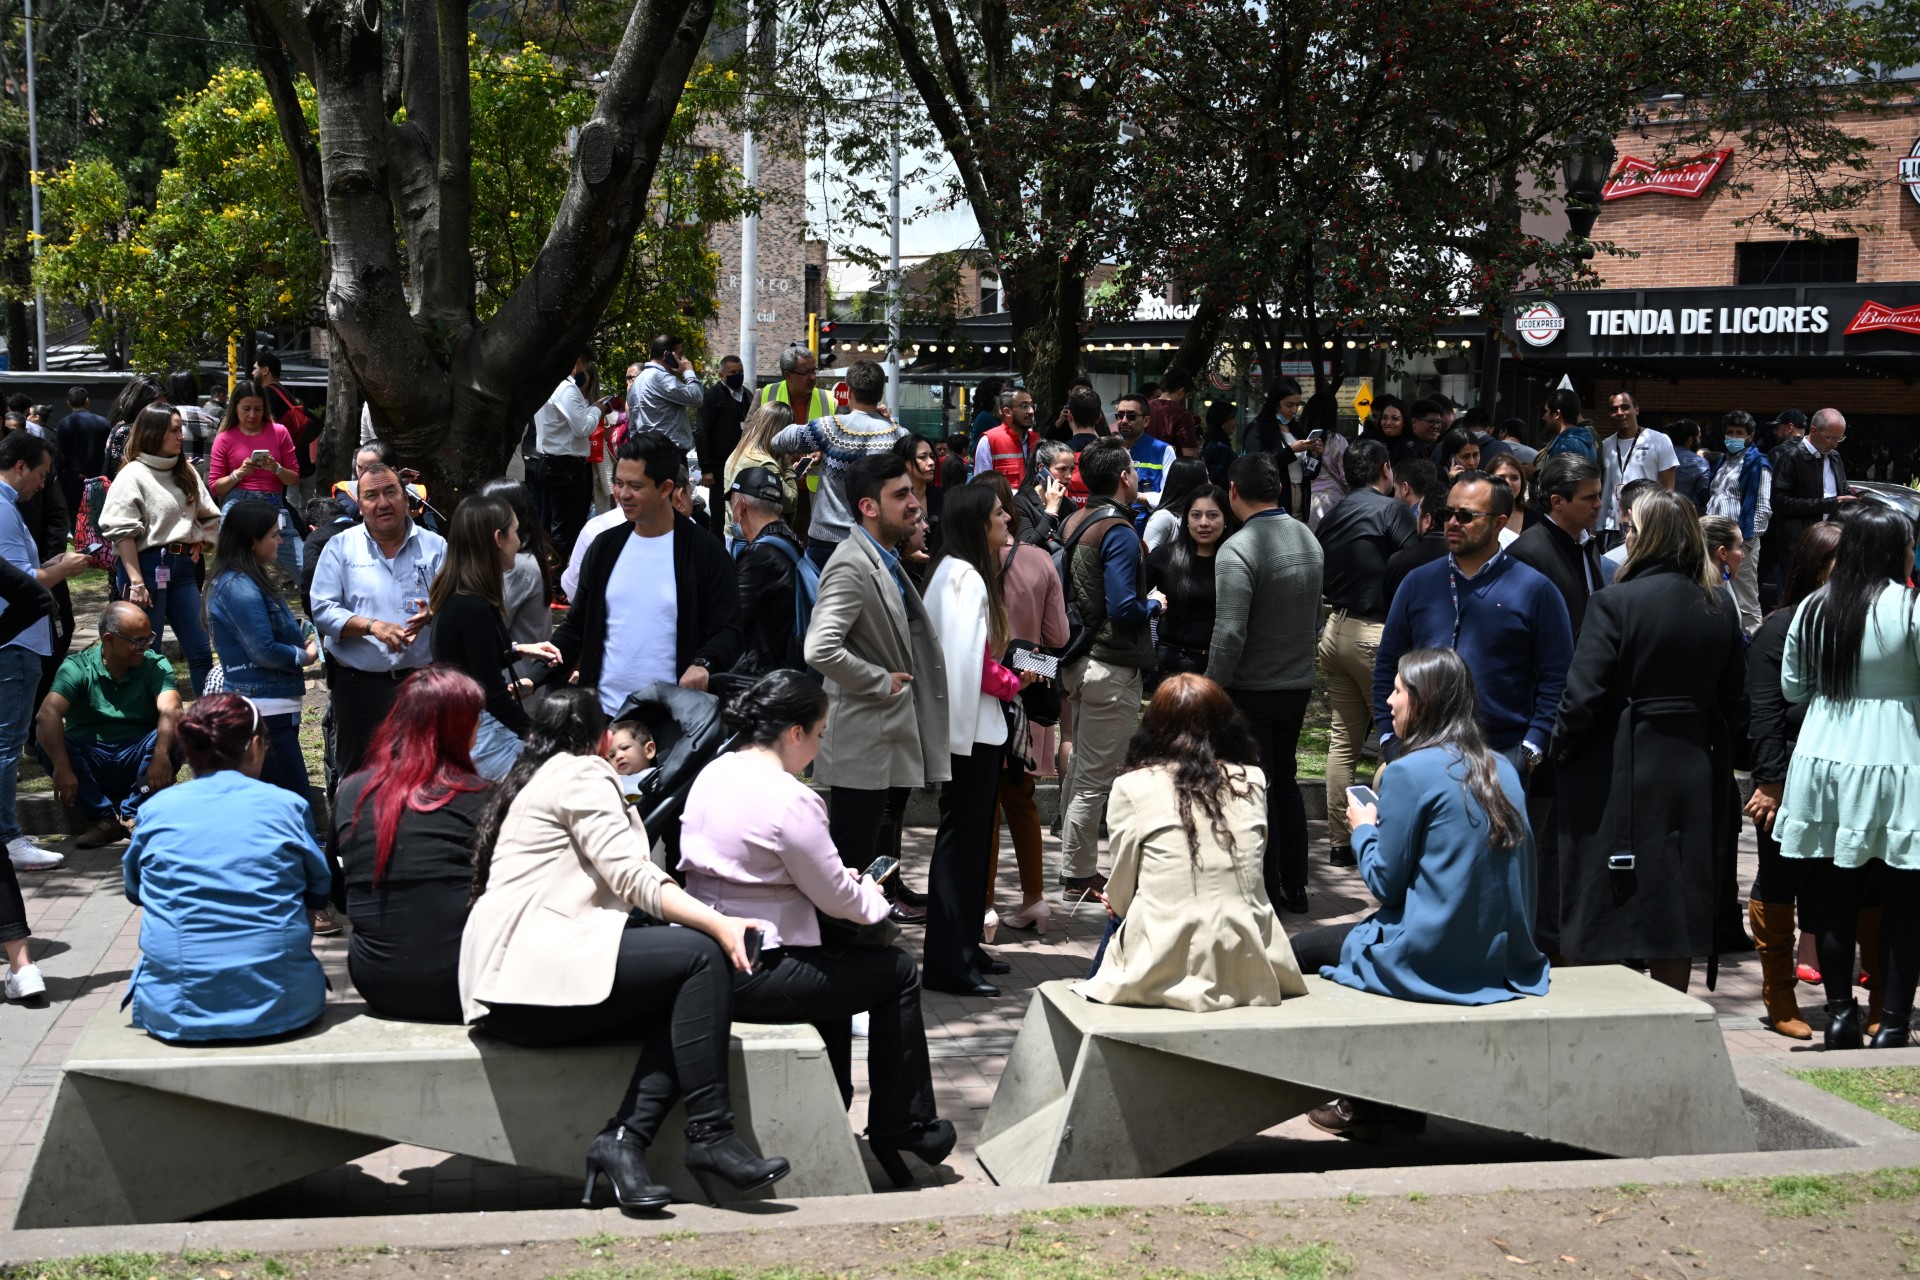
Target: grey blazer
{"type": "Point", "coordinates": [861, 633]}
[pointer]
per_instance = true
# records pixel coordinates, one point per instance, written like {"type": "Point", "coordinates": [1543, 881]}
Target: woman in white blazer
{"type": "Point", "coordinates": [549, 954]}
{"type": "Point", "coordinates": [968, 614]}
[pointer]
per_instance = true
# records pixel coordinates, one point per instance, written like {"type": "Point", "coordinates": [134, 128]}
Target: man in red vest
{"type": "Point", "coordinates": [1007, 447]}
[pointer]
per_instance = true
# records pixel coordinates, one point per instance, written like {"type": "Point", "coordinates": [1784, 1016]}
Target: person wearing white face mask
{"type": "Point", "coordinates": [160, 519]}
{"type": "Point", "coordinates": [1741, 489]}
{"type": "Point", "coordinates": [1272, 432]}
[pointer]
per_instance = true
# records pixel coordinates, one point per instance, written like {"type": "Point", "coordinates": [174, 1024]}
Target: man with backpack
{"type": "Point", "coordinates": [778, 584]}
{"type": "Point", "coordinates": [1109, 647]}
{"type": "Point", "coordinates": [292, 415]}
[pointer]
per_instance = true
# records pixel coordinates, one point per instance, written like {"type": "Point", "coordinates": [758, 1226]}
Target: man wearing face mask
{"type": "Point", "coordinates": [1742, 489]}
{"type": "Point", "coordinates": [718, 431]}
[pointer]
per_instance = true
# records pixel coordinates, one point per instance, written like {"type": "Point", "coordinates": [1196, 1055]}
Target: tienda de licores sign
{"type": "Point", "coordinates": [1637, 177]}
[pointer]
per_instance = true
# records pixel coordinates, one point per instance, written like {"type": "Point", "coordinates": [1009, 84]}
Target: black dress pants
{"type": "Point", "coordinates": [825, 987]}
{"type": "Point", "coordinates": [568, 486]}
{"type": "Point", "coordinates": [361, 700]}
{"type": "Point", "coordinates": [855, 819]}
{"type": "Point", "coordinates": [676, 981]}
{"type": "Point", "coordinates": [1275, 716]}
{"type": "Point", "coordinates": [957, 883]}
{"type": "Point", "coordinates": [1314, 949]}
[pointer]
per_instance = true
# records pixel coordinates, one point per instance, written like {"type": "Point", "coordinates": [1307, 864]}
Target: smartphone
{"type": "Point", "coordinates": [1363, 795]}
{"type": "Point", "coordinates": [1317, 435]}
{"type": "Point", "coordinates": [751, 939]}
{"type": "Point", "coordinates": [262, 457]}
{"type": "Point", "coordinates": [1620, 862]}
{"type": "Point", "coordinates": [883, 866]}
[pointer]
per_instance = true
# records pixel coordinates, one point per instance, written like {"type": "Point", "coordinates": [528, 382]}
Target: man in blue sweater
{"type": "Point", "coordinates": [1506, 620]}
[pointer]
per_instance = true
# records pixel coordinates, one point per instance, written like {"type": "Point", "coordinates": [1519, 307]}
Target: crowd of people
{"type": "Point", "coordinates": [1563, 653]}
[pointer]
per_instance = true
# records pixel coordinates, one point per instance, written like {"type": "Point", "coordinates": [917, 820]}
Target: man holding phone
{"type": "Point", "coordinates": [871, 639]}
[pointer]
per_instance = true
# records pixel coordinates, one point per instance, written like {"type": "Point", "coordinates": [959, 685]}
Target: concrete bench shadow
{"type": "Point", "coordinates": [143, 1131]}
{"type": "Point", "coordinates": [1608, 1061]}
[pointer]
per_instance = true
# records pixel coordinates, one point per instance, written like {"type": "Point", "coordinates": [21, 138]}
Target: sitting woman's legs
{"type": "Point", "coordinates": [1315, 949]}
{"type": "Point", "coordinates": [676, 977]}
{"type": "Point", "coordinates": [813, 985]}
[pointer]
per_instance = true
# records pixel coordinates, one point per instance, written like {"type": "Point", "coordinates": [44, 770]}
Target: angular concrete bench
{"type": "Point", "coordinates": [1608, 1061]}
{"type": "Point", "coordinates": [143, 1131]}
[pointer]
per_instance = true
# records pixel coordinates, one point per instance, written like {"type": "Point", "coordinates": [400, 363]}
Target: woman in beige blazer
{"type": "Point", "coordinates": [550, 956]}
{"type": "Point", "coordinates": [1188, 834]}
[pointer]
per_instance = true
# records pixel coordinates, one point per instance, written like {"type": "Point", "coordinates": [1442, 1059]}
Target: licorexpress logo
{"type": "Point", "coordinates": [1539, 323]}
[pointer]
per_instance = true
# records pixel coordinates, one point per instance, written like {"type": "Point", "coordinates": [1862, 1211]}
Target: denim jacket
{"type": "Point", "coordinates": [259, 641]}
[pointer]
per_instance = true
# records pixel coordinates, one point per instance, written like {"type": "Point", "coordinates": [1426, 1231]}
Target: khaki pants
{"type": "Point", "coordinates": [1348, 647]}
{"type": "Point", "coordinates": [1106, 706]}
{"type": "Point", "coordinates": [1746, 589]}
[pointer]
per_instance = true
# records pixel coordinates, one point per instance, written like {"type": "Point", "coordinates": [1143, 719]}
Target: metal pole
{"type": "Point", "coordinates": [750, 237]}
{"type": "Point", "coordinates": [33, 165]}
{"type": "Point", "coordinates": [893, 268]}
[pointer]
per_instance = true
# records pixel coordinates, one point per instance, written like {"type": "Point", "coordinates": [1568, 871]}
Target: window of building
{"type": "Point", "coordinates": [1797, 262]}
{"type": "Point", "coordinates": [989, 296]}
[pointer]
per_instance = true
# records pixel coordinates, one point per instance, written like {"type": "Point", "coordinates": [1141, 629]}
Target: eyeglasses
{"type": "Point", "coordinates": [1430, 422]}
{"type": "Point", "coordinates": [1127, 414]}
{"type": "Point", "coordinates": [136, 642]}
{"type": "Point", "coordinates": [1460, 515]}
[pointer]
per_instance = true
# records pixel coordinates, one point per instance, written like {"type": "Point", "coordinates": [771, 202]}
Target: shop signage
{"type": "Point", "coordinates": [1639, 178]}
{"type": "Point", "coordinates": [1910, 171]}
{"type": "Point", "coordinates": [1876, 317]}
{"type": "Point", "coordinates": [1633, 322]}
{"type": "Point", "coordinates": [1539, 323]}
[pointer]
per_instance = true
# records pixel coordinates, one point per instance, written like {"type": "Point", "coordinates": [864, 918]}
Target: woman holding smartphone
{"type": "Point", "coordinates": [775, 860]}
{"type": "Point", "coordinates": [254, 461]}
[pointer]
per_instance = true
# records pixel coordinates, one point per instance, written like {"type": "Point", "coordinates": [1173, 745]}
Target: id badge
{"type": "Point", "coordinates": [162, 574]}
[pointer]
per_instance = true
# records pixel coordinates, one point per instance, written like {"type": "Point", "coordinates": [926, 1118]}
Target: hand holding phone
{"type": "Point", "coordinates": [1363, 807]}
{"type": "Point", "coordinates": [750, 943]}
{"type": "Point", "coordinates": [882, 867]}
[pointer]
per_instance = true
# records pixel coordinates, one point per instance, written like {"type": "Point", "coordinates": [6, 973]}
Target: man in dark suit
{"type": "Point", "coordinates": [1809, 485]}
{"type": "Point", "coordinates": [1563, 546]}
{"type": "Point", "coordinates": [717, 433]}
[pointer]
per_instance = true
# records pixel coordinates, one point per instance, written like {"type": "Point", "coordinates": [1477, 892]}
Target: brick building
{"type": "Point", "coordinates": [781, 299]}
{"type": "Point", "coordinates": [1712, 315]}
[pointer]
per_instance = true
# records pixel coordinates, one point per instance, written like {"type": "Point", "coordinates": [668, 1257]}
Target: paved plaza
{"type": "Point", "coordinates": [87, 936]}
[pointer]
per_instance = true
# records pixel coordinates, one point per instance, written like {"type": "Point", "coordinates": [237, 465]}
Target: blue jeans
{"type": "Point", "coordinates": [290, 543]}
{"type": "Point", "coordinates": [495, 748]}
{"type": "Point", "coordinates": [175, 605]}
{"type": "Point", "coordinates": [111, 774]}
{"type": "Point", "coordinates": [285, 766]}
{"type": "Point", "coordinates": [1113, 927]}
{"type": "Point", "coordinates": [19, 683]}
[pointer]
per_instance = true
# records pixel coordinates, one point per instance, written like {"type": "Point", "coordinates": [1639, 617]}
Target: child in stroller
{"type": "Point", "coordinates": [687, 733]}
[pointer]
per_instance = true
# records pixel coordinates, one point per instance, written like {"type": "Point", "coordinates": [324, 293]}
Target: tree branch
{"type": "Point", "coordinates": [450, 302]}
{"type": "Point", "coordinates": [269, 55]}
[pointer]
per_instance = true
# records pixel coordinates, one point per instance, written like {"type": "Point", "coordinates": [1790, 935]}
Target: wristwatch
{"type": "Point", "coordinates": [1533, 754]}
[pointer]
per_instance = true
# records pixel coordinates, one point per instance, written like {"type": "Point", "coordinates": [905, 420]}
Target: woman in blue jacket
{"type": "Point", "coordinates": [223, 867]}
{"type": "Point", "coordinates": [262, 646]}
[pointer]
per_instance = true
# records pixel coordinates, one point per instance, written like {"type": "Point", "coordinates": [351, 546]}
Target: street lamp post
{"type": "Point", "coordinates": [1585, 164]}
{"type": "Point", "coordinates": [33, 178]}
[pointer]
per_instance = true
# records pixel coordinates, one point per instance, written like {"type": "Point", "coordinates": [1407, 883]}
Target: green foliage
{"type": "Point", "coordinates": [100, 1266]}
{"type": "Point", "coordinates": [1893, 1092]}
{"type": "Point", "coordinates": [1820, 1195]}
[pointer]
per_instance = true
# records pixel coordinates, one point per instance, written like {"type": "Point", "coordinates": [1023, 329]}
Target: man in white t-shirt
{"type": "Point", "coordinates": [657, 599]}
{"type": "Point", "coordinates": [1632, 453]}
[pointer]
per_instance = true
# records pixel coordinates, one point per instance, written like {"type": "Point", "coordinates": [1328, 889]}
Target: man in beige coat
{"type": "Point", "coordinates": [886, 677]}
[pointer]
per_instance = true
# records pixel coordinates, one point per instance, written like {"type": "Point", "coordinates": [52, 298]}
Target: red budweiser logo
{"type": "Point", "coordinates": [1877, 316]}
{"type": "Point", "coordinates": [1639, 178]}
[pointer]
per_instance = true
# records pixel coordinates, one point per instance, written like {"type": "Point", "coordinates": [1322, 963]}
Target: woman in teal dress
{"type": "Point", "coordinates": [1853, 786]}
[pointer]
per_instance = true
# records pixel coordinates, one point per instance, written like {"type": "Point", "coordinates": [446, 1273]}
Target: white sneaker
{"type": "Point", "coordinates": [27, 855]}
{"type": "Point", "coordinates": [24, 984]}
{"type": "Point", "coordinates": [861, 1023]}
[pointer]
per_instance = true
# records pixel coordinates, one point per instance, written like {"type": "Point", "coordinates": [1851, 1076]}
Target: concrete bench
{"type": "Point", "coordinates": [1608, 1061]}
{"type": "Point", "coordinates": [143, 1131]}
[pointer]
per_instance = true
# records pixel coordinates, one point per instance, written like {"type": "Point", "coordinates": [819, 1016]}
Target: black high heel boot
{"type": "Point", "coordinates": [931, 1142]}
{"type": "Point", "coordinates": [1843, 1025]}
{"type": "Point", "coordinates": [717, 1156]}
{"type": "Point", "coordinates": [621, 1158]}
{"type": "Point", "coordinates": [1893, 1033]}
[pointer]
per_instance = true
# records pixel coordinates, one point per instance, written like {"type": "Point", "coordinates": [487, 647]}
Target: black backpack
{"type": "Point", "coordinates": [1079, 632]}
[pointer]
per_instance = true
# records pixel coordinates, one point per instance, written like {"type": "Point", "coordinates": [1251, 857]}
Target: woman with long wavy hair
{"type": "Point", "coordinates": [1187, 829]}
{"type": "Point", "coordinates": [403, 829]}
{"type": "Point", "coordinates": [551, 956]}
{"type": "Point", "coordinates": [1853, 656]}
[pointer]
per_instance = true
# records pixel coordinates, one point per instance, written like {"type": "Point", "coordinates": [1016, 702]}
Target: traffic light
{"type": "Point", "coordinates": [825, 355]}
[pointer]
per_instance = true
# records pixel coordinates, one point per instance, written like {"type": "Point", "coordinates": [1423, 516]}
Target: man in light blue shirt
{"type": "Point", "coordinates": [25, 462]}
{"type": "Point", "coordinates": [664, 392]}
{"type": "Point", "coordinates": [370, 603]}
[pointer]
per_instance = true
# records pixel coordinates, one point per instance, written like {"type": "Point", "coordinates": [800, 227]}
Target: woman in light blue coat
{"type": "Point", "coordinates": [224, 868]}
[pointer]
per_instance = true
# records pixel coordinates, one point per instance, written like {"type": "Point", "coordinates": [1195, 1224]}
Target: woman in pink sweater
{"type": "Point", "coordinates": [754, 840]}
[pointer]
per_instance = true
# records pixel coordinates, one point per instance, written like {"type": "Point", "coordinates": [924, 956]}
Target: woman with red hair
{"type": "Point", "coordinates": [403, 829]}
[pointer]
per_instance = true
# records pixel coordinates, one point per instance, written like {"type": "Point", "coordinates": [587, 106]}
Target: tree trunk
{"type": "Point", "coordinates": [1203, 335]}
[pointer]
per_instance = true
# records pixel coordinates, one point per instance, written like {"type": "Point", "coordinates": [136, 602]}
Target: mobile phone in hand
{"type": "Point", "coordinates": [882, 867]}
{"type": "Point", "coordinates": [1363, 795]}
{"type": "Point", "coordinates": [262, 457]}
{"type": "Point", "coordinates": [751, 941]}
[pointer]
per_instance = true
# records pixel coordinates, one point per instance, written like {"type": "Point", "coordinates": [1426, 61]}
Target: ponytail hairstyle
{"type": "Point", "coordinates": [216, 732]}
{"type": "Point", "coordinates": [567, 722]}
{"type": "Point", "coordinates": [1441, 704]}
{"type": "Point", "coordinates": [774, 704]}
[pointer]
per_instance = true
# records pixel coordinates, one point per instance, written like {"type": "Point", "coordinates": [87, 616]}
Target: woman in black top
{"type": "Point", "coordinates": [403, 829]}
{"type": "Point", "coordinates": [470, 624]}
{"type": "Point", "coordinates": [1182, 570]}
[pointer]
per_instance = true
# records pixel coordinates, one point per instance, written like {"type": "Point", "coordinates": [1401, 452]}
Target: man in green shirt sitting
{"type": "Point", "coordinates": [107, 725]}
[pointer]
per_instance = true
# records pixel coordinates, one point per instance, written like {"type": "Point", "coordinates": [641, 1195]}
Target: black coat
{"type": "Point", "coordinates": [1799, 494]}
{"type": "Point", "coordinates": [707, 632]}
{"type": "Point", "coordinates": [1644, 765]}
{"type": "Point", "coordinates": [717, 432]}
{"type": "Point", "coordinates": [1545, 546]}
{"type": "Point", "coordinates": [1775, 725]}
{"type": "Point", "coordinates": [766, 603]}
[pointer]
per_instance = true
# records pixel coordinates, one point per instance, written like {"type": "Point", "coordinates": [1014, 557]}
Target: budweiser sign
{"type": "Point", "coordinates": [1639, 178]}
{"type": "Point", "coordinates": [1877, 317]}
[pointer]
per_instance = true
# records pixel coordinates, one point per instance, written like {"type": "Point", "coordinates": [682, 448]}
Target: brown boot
{"type": "Point", "coordinates": [1867, 934]}
{"type": "Point", "coordinates": [1773, 938]}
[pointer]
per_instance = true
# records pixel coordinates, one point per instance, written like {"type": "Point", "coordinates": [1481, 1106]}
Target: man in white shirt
{"type": "Point", "coordinates": [1632, 453]}
{"type": "Point", "coordinates": [563, 441]}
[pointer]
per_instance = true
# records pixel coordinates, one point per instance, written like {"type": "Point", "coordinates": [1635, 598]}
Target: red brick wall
{"type": "Point", "coordinates": [1764, 398]}
{"type": "Point", "coordinates": [1689, 243]}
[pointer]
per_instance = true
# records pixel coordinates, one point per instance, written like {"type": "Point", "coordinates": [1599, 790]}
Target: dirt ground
{"type": "Point", "coordinates": [1864, 1226]}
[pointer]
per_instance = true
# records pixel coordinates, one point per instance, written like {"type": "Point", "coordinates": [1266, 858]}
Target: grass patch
{"type": "Point", "coordinates": [1892, 1092]}
{"type": "Point", "coordinates": [99, 1266]}
{"type": "Point", "coordinates": [1820, 1195]}
{"type": "Point", "coordinates": [600, 1240]}
{"type": "Point", "coordinates": [1026, 1260]}
{"type": "Point", "coordinates": [1072, 1213]}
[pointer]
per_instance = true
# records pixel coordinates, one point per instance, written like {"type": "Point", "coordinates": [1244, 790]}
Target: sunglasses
{"type": "Point", "coordinates": [1127, 414]}
{"type": "Point", "coordinates": [1457, 515]}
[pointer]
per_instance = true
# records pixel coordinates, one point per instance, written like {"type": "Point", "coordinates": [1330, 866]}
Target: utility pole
{"type": "Point", "coordinates": [33, 164]}
{"type": "Point", "coordinates": [750, 235]}
{"type": "Point", "coordinates": [893, 269]}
